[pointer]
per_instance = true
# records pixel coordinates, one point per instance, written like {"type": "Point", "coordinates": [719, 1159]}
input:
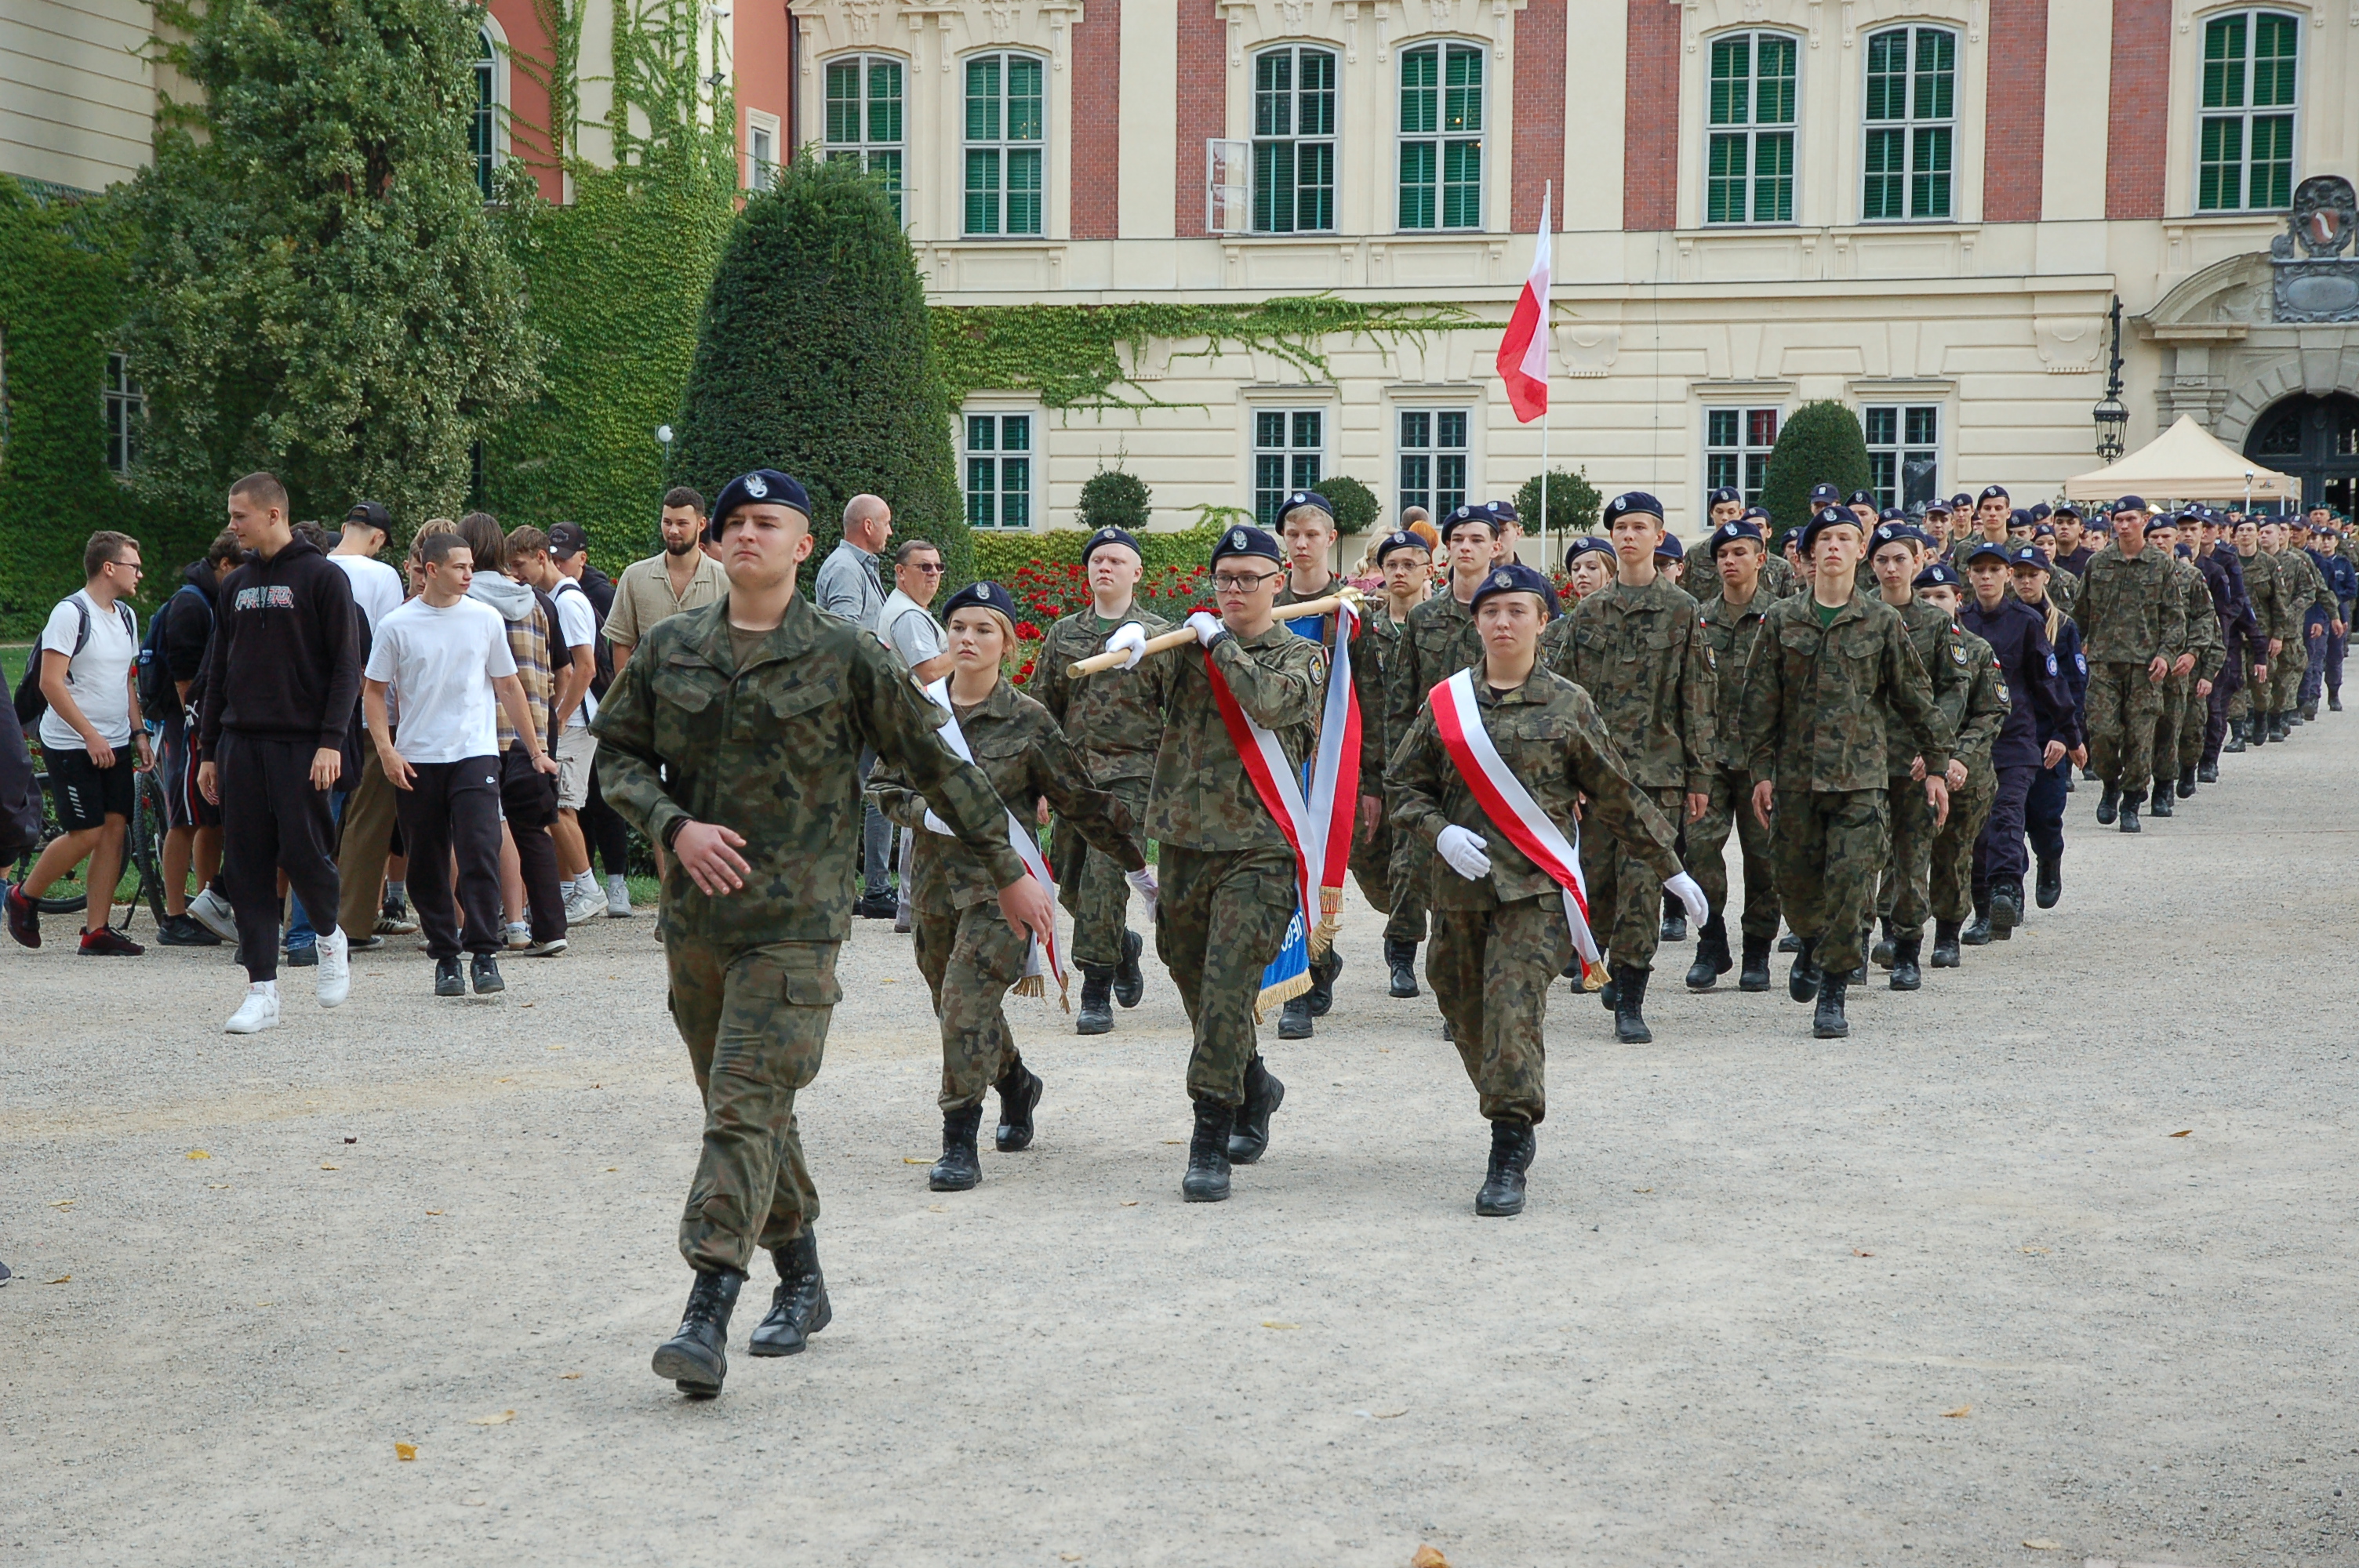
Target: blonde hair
{"type": "Point", "coordinates": [1012, 647]}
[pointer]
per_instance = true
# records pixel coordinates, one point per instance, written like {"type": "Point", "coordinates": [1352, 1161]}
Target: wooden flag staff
{"type": "Point", "coordinates": [1098, 663]}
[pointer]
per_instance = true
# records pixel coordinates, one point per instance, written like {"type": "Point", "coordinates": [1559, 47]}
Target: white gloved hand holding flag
{"type": "Point", "coordinates": [1142, 881]}
{"type": "Point", "coordinates": [1685, 888]}
{"type": "Point", "coordinates": [1206, 625]}
{"type": "Point", "coordinates": [1129, 636]}
{"type": "Point", "coordinates": [1464, 851]}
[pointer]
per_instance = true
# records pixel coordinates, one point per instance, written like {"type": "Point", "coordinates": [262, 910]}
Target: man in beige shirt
{"type": "Point", "coordinates": [682, 577]}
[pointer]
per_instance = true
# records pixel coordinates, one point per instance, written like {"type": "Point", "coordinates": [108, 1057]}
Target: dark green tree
{"type": "Point", "coordinates": [1356, 506]}
{"type": "Point", "coordinates": [1572, 505]}
{"type": "Point", "coordinates": [1112, 498]}
{"type": "Point", "coordinates": [317, 290]}
{"type": "Point", "coordinates": [815, 356]}
{"type": "Point", "coordinates": [1820, 444]}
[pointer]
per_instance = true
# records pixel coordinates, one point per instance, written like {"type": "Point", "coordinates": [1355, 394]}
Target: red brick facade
{"type": "Point", "coordinates": [2135, 129]}
{"type": "Point", "coordinates": [2014, 111]}
{"type": "Point", "coordinates": [1204, 110]}
{"type": "Point", "coordinates": [1651, 117]}
{"type": "Point", "coordinates": [1539, 112]}
{"type": "Point", "coordinates": [1096, 195]}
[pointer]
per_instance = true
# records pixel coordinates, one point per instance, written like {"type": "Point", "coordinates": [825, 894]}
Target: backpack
{"type": "Point", "coordinates": [20, 797]}
{"type": "Point", "coordinates": [602, 653]}
{"type": "Point", "coordinates": [31, 701]}
{"type": "Point", "coordinates": [159, 696]}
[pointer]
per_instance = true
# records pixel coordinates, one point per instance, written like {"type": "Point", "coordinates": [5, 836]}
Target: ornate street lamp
{"type": "Point", "coordinates": [2111, 418]}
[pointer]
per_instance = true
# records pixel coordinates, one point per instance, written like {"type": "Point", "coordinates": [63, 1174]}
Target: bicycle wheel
{"type": "Point", "coordinates": [148, 824]}
{"type": "Point", "coordinates": [53, 903]}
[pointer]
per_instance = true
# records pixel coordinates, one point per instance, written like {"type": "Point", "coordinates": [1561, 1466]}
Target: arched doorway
{"type": "Point", "coordinates": [2316, 439]}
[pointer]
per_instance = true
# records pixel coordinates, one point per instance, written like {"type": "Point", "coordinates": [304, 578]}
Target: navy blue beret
{"type": "Point", "coordinates": [980, 596]}
{"type": "Point", "coordinates": [1826, 495]}
{"type": "Point", "coordinates": [1310, 498]}
{"type": "Point", "coordinates": [1465, 514]}
{"type": "Point", "coordinates": [1244, 539]}
{"type": "Point", "coordinates": [1962, 502]}
{"type": "Point", "coordinates": [1588, 544]}
{"type": "Point", "coordinates": [1105, 536]}
{"type": "Point", "coordinates": [2019, 518]}
{"type": "Point", "coordinates": [1498, 510]}
{"type": "Point", "coordinates": [1670, 548]}
{"type": "Point", "coordinates": [1729, 533]}
{"type": "Point", "coordinates": [1631, 503]}
{"type": "Point", "coordinates": [763, 486]}
{"type": "Point", "coordinates": [1826, 517]}
{"type": "Point", "coordinates": [2027, 556]}
{"type": "Point", "coordinates": [1860, 498]}
{"type": "Point", "coordinates": [2129, 503]}
{"type": "Point", "coordinates": [1987, 549]}
{"type": "Point", "coordinates": [1514, 576]}
{"type": "Point", "coordinates": [1724, 495]}
{"type": "Point", "coordinates": [1995, 492]}
{"type": "Point", "coordinates": [1897, 534]}
{"type": "Point", "coordinates": [1941, 574]}
{"type": "Point", "coordinates": [1403, 540]}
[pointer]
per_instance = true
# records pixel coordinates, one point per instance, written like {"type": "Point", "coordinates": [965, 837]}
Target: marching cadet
{"type": "Point", "coordinates": [1863, 506]}
{"type": "Point", "coordinates": [2132, 627]}
{"type": "Point", "coordinates": [1589, 564]}
{"type": "Point", "coordinates": [1503, 921]}
{"type": "Point", "coordinates": [2267, 590]}
{"type": "Point", "coordinates": [2043, 812]}
{"type": "Point", "coordinates": [1637, 648]}
{"type": "Point", "coordinates": [2188, 687]}
{"type": "Point", "coordinates": [1382, 859]}
{"type": "Point", "coordinates": [2323, 623]}
{"type": "Point", "coordinates": [1439, 639]}
{"type": "Point", "coordinates": [969, 955]}
{"type": "Point", "coordinates": [2239, 635]}
{"type": "Point", "coordinates": [2072, 551]}
{"type": "Point", "coordinates": [1832, 690]}
{"type": "Point", "coordinates": [1992, 509]}
{"type": "Point", "coordinates": [733, 739]}
{"type": "Point", "coordinates": [1231, 879]}
{"type": "Point", "coordinates": [1981, 712]}
{"type": "Point", "coordinates": [2342, 580]}
{"type": "Point", "coordinates": [1936, 525]}
{"type": "Point", "coordinates": [2022, 523]}
{"type": "Point", "coordinates": [2313, 608]}
{"type": "Point", "coordinates": [1732, 623]}
{"type": "Point", "coordinates": [1905, 899]}
{"type": "Point", "coordinates": [2042, 726]}
{"type": "Point", "coordinates": [1723, 505]}
{"type": "Point", "coordinates": [1114, 724]}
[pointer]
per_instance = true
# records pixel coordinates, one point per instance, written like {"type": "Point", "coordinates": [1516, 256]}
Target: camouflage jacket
{"type": "Point", "coordinates": [1641, 654]}
{"type": "Point", "coordinates": [1025, 756]}
{"type": "Point", "coordinates": [2130, 611]}
{"type": "Point", "coordinates": [1367, 675]}
{"type": "Point", "coordinates": [1202, 797]}
{"type": "Point", "coordinates": [1940, 645]}
{"type": "Point", "coordinates": [1778, 580]}
{"type": "Point", "coordinates": [1385, 636]}
{"type": "Point", "coordinates": [1112, 719]}
{"type": "Point", "coordinates": [1439, 640]}
{"type": "Point", "coordinates": [2065, 587]}
{"type": "Point", "coordinates": [1551, 738]}
{"type": "Point", "coordinates": [2312, 592]}
{"type": "Point", "coordinates": [1820, 701]}
{"type": "Point", "coordinates": [1731, 634]}
{"type": "Point", "coordinates": [2267, 590]}
{"type": "Point", "coordinates": [772, 751]}
{"type": "Point", "coordinates": [1976, 709]}
{"type": "Point", "coordinates": [2203, 638]}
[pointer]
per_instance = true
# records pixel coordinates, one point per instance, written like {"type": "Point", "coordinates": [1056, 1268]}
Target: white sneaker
{"type": "Point", "coordinates": [213, 911]}
{"type": "Point", "coordinates": [584, 903]}
{"type": "Point", "coordinates": [618, 904]}
{"type": "Point", "coordinates": [257, 1013]}
{"type": "Point", "coordinates": [549, 950]}
{"type": "Point", "coordinates": [335, 970]}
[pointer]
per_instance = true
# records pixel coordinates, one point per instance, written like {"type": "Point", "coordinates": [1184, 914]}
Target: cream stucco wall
{"type": "Point", "coordinates": [76, 92]}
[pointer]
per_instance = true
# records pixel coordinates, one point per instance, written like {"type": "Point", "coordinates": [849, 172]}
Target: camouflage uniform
{"type": "Point", "coordinates": [967, 951]}
{"type": "Point", "coordinates": [1908, 891]}
{"type": "Point", "coordinates": [1435, 642]}
{"type": "Point", "coordinates": [1976, 709]}
{"type": "Point", "coordinates": [1227, 875]}
{"type": "Point", "coordinates": [1778, 581]}
{"type": "Point", "coordinates": [2307, 591]}
{"type": "Point", "coordinates": [770, 750]}
{"type": "Point", "coordinates": [1388, 861]}
{"type": "Point", "coordinates": [1825, 706]}
{"type": "Point", "coordinates": [2265, 590]}
{"type": "Point", "coordinates": [1641, 655]}
{"type": "Point", "coordinates": [2179, 724]}
{"type": "Point", "coordinates": [1499, 942]}
{"type": "Point", "coordinates": [1371, 861]}
{"type": "Point", "coordinates": [1731, 634]}
{"type": "Point", "coordinates": [1113, 721]}
{"type": "Point", "coordinates": [2130, 612]}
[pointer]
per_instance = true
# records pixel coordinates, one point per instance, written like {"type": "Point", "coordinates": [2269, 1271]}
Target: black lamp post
{"type": "Point", "coordinates": [2111, 418]}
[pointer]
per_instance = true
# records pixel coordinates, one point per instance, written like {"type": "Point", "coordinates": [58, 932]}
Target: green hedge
{"type": "Point", "coordinates": [998, 555]}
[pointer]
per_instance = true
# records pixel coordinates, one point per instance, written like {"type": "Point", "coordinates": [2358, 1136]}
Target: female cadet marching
{"type": "Point", "coordinates": [969, 955]}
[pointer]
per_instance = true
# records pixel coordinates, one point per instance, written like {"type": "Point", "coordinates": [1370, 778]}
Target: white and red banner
{"type": "Point", "coordinates": [1028, 850]}
{"type": "Point", "coordinates": [1524, 352]}
{"type": "Point", "coordinates": [1510, 806]}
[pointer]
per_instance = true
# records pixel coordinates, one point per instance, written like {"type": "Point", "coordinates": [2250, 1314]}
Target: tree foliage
{"type": "Point", "coordinates": [1356, 506]}
{"type": "Point", "coordinates": [1574, 505]}
{"type": "Point", "coordinates": [1820, 444]}
{"type": "Point", "coordinates": [316, 290]}
{"type": "Point", "coordinates": [1113, 498]}
{"type": "Point", "coordinates": [815, 356]}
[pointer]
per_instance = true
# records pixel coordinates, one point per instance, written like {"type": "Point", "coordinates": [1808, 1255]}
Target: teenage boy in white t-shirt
{"type": "Point", "coordinates": [88, 652]}
{"type": "Point", "coordinates": [448, 655]}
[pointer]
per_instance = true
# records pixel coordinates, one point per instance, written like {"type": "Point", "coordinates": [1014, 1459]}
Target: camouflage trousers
{"type": "Point", "coordinates": [2122, 709]}
{"type": "Point", "coordinates": [1826, 847]}
{"type": "Point", "coordinates": [2285, 672]}
{"type": "Point", "coordinates": [1907, 895]}
{"type": "Point", "coordinates": [1625, 891]}
{"type": "Point", "coordinates": [2168, 716]}
{"type": "Point", "coordinates": [1491, 969]}
{"type": "Point", "coordinates": [970, 957]}
{"type": "Point", "coordinates": [1729, 809]}
{"type": "Point", "coordinates": [2194, 718]}
{"type": "Point", "coordinates": [1390, 868]}
{"type": "Point", "coordinates": [1952, 886]}
{"type": "Point", "coordinates": [1093, 888]}
{"type": "Point", "coordinates": [1220, 918]}
{"type": "Point", "coordinates": [754, 1020]}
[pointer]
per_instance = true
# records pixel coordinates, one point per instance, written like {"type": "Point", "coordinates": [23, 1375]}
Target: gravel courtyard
{"type": "Point", "coordinates": [2052, 1260]}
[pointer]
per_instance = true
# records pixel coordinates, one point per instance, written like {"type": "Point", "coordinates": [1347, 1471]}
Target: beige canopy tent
{"type": "Point", "coordinates": [2186, 462]}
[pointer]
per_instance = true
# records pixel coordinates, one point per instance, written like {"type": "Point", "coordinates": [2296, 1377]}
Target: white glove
{"type": "Point", "coordinates": [1466, 852]}
{"type": "Point", "coordinates": [1131, 635]}
{"type": "Point", "coordinates": [1143, 880]}
{"type": "Point", "coordinates": [1684, 888]}
{"type": "Point", "coordinates": [1206, 625]}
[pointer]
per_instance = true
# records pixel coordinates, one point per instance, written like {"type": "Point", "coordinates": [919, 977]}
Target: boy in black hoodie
{"type": "Point", "coordinates": [279, 692]}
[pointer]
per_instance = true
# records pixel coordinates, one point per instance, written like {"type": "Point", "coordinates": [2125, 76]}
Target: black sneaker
{"type": "Point", "coordinates": [486, 975]}
{"type": "Point", "coordinates": [304, 958]}
{"type": "Point", "coordinates": [182, 931]}
{"type": "Point", "coordinates": [877, 906]}
{"type": "Point", "coordinates": [448, 982]}
{"type": "Point", "coordinates": [108, 943]}
{"type": "Point", "coordinates": [24, 920]}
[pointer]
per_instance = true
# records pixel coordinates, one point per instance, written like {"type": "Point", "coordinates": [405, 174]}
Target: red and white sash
{"type": "Point", "coordinates": [1028, 850]}
{"type": "Point", "coordinates": [1510, 806]}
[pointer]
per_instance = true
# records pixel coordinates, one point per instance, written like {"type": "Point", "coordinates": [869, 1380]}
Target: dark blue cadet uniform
{"type": "Point", "coordinates": [2041, 707]}
{"type": "Point", "coordinates": [2240, 629]}
{"type": "Point", "coordinates": [2043, 809]}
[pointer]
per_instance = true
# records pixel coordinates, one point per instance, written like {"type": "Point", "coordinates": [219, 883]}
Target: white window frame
{"type": "Point", "coordinates": [495, 66]}
{"type": "Point", "coordinates": [1910, 123]}
{"type": "Point", "coordinates": [1897, 450]}
{"type": "Point", "coordinates": [122, 405]}
{"type": "Point", "coordinates": [761, 149]}
{"type": "Point", "coordinates": [1289, 453]}
{"type": "Point", "coordinates": [1433, 453]}
{"type": "Point", "coordinates": [1751, 130]}
{"type": "Point", "coordinates": [996, 454]}
{"type": "Point", "coordinates": [2246, 114]}
{"type": "Point", "coordinates": [1292, 139]}
{"type": "Point", "coordinates": [1228, 185]}
{"type": "Point", "coordinates": [1442, 49]}
{"type": "Point", "coordinates": [865, 149]}
{"type": "Point", "coordinates": [1745, 451]}
{"type": "Point", "coordinates": [1003, 146]}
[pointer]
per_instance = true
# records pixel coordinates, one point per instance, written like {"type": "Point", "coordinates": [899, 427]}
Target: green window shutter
{"type": "Point", "coordinates": [1024, 120]}
{"type": "Point", "coordinates": [1774, 101]}
{"type": "Point", "coordinates": [982, 190]}
{"type": "Point", "coordinates": [1773, 176]}
{"type": "Point", "coordinates": [1724, 181]}
{"type": "Point", "coordinates": [2274, 43]}
{"type": "Point", "coordinates": [1462, 185]}
{"type": "Point", "coordinates": [982, 99]}
{"type": "Point", "coordinates": [2272, 176]}
{"type": "Point", "coordinates": [1420, 102]}
{"type": "Point", "coordinates": [1419, 162]}
{"type": "Point", "coordinates": [844, 102]}
{"type": "Point", "coordinates": [1731, 69]}
{"type": "Point", "coordinates": [1024, 205]}
{"type": "Point", "coordinates": [885, 102]}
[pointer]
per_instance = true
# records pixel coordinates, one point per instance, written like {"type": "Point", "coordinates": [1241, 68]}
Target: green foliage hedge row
{"type": "Point", "coordinates": [998, 556]}
{"type": "Point", "coordinates": [1820, 443]}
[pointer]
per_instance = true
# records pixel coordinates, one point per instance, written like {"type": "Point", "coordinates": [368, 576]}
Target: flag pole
{"type": "Point", "coordinates": [1547, 205]}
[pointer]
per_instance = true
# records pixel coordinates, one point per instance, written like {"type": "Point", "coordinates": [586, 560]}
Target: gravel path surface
{"type": "Point", "coordinates": [1923, 1296]}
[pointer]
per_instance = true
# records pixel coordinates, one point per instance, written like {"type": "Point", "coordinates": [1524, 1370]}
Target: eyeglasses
{"type": "Point", "coordinates": [133, 567]}
{"type": "Point", "coordinates": [933, 570]}
{"type": "Point", "coordinates": [1228, 582]}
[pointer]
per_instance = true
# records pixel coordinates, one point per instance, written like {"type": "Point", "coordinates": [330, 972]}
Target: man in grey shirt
{"type": "Point", "coordinates": [847, 584]}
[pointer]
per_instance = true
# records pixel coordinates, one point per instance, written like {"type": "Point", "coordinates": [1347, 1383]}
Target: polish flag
{"type": "Point", "coordinates": [1523, 352]}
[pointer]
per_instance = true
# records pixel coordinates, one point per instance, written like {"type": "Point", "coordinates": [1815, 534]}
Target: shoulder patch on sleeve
{"type": "Point", "coordinates": [1318, 665]}
{"type": "Point", "coordinates": [2052, 662]}
{"type": "Point", "coordinates": [1958, 652]}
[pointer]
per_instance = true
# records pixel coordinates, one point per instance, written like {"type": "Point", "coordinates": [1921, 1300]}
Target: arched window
{"type": "Point", "coordinates": [1441, 136]}
{"type": "Point", "coordinates": [864, 118]}
{"type": "Point", "coordinates": [1294, 141]}
{"type": "Point", "coordinates": [2245, 136]}
{"type": "Point", "coordinates": [483, 123]}
{"type": "Point", "coordinates": [1912, 114]}
{"type": "Point", "coordinates": [1749, 158]}
{"type": "Point", "coordinates": [1006, 131]}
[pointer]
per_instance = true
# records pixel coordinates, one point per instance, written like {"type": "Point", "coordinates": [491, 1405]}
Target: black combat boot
{"type": "Point", "coordinates": [1019, 1095]}
{"type": "Point", "coordinates": [1857, 974]}
{"type": "Point", "coordinates": [1906, 976]}
{"type": "Point", "coordinates": [1609, 995]}
{"type": "Point", "coordinates": [1978, 930]}
{"type": "Point", "coordinates": [1323, 970]}
{"type": "Point", "coordinates": [2088, 776]}
{"type": "Point", "coordinates": [2208, 773]}
{"type": "Point", "coordinates": [2108, 805]}
{"type": "Point", "coordinates": [2158, 803]}
{"type": "Point", "coordinates": [1294, 1019]}
{"type": "Point", "coordinates": [1249, 1126]}
{"type": "Point", "coordinates": [697, 1358]}
{"type": "Point", "coordinates": [1400, 957]}
{"type": "Point", "coordinates": [2309, 712]}
{"type": "Point", "coordinates": [2130, 804]}
{"type": "Point", "coordinates": [1675, 920]}
{"type": "Point", "coordinates": [1513, 1145]}
{"type": "Point", "coordinates": [2256, 728]}
{"type": "Point", "coordinates": [1129, 980]}
{"type": "Point", "coordinates": [2006, 910]}
{"type": "Point", "coordinates": [1828, 1022]}
{"type": "Point", "coordinates": [1096, 1016]}
{"type": "Point", "coordinates": [1945, 945]}
{"type": "Point", "coordinates": [798, 1307]}
{"type": "Point", "coordinates": [1711, 956]}
{"type": "Point", "coordinates": [1207, 1180]}
{"type": "Point", "coordinates": [2334, 700]}
{"type": "Point", "coordinates": [1755, 974]}
{"type": "Point", "coordinates": [2051, 885]}
{"type": "Point", "coordinates": [2187, 783]}
{"type": "Point", "coordinates": [2279, 730]}
{"type": "Point", "coordinates": [959, 1167]}
{"type": "Point", "coordinates": [1881, 954]}
{"type": "Point", "coordinates": [2235, 736]}
{"type": "Point", "coordinates": [1802, 979]}
{"type": "Point", "coordinates": [1630, 1022]}
{"type": "Point", "coordinates": [1789, 943]}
